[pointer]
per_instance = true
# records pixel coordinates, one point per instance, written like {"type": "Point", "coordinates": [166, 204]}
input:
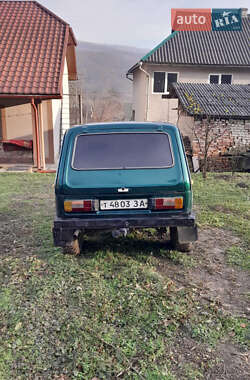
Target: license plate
{"type": "Point", "coordinates": [121, 204]}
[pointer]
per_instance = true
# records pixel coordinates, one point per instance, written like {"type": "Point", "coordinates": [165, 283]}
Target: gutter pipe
{"type": "Point", "coordinates": [147, 93]}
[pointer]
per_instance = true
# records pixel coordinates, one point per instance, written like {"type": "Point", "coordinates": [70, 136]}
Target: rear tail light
{"type": "Point", "coordinates": [83, 205]}
{"type": "Point", "coordinates": [173, 203]}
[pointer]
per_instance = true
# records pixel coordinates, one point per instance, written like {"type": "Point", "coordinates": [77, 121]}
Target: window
{"type": "Point", "coordinates": [159, 82]}
{"type": "Point", "coordinates": [172, 78]}
{"type": "Point", "coordinates": [226, 79]}
{"type": "Point", "coordinates": [220, 78]}
{"type": "Point", "coordinates": [214, 79]}
{"type": "Point", "coordinates": [122, 151]}
{"type": "Point", "coordinates": [163, 81]}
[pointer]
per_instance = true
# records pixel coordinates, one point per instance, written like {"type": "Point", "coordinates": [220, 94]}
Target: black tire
{"type": "Point", "coordinates": [75, 246]}
{"type": "Point", "coordinates": [175, 244]}
{"type": "Point", "coordinates": [173, 232]}
{"type": "Point", "coordinates": [72, 248]}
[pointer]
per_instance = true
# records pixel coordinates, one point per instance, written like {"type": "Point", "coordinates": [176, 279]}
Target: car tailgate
{"type": "Point", "coordinates": [138, 182]}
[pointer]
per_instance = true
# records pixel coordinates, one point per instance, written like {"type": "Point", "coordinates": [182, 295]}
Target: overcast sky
{"type": "Point", "coordinates": [140, 23]}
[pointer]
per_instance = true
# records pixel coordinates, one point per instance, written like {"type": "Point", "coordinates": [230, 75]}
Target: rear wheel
{"type": "Point", "coordinates": [74, 247]}
{"type": "Point", "coordinates": [174, 240]}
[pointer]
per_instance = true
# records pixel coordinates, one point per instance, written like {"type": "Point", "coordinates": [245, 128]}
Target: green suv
{"type": "Point", "coordinates": [116, 176]}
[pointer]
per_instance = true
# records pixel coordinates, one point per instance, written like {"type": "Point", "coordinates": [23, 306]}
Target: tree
{"type": "Point", "coordinates": [205, 130]}
{"type": "Point", "coordinates": [104, 109]}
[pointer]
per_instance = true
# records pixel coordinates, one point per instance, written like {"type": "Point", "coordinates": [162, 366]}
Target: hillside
{"type": "Point", "coordinates": [102, 68]}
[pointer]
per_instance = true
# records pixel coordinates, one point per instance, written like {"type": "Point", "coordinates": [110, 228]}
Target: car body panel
{"type": "Point", "coordinates": [106, 184]}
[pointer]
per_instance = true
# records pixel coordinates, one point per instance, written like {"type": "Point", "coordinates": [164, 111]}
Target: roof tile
{"type": "Point", "coordinates": [31, 48]}
{"type": "Point", "coordinates": [227, 48]}
{"type": "Point", "coordinates": [216, 100]}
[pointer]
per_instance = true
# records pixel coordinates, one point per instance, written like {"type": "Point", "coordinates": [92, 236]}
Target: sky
{"type": "Point", "coordinates": [139, 23]}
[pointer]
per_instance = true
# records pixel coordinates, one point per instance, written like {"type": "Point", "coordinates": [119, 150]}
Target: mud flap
{"type": "Point", "coordinates": [187, 234]}
{"type": "Point", "coordinates": [62, 236]}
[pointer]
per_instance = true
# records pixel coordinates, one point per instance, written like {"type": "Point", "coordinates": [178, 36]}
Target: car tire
{"type": "Point", "coordinates": [174, 241]}
{"type": "Point", "coordinates": [74, 247]}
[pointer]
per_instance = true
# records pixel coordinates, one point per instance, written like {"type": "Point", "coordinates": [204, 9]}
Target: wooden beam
{"type": "Point", "coordinates": [4, 129]}
{"type": "Point", "coordinates": [34, 137]}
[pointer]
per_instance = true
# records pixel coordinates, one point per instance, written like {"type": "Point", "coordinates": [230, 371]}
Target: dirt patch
{"type": "Point", "coordinates": [235, 362]}
{"type": "Point", "coordinates": [213, 277]}
{"type": "Point", "coordinates": [220, 208]}
{"type": "Point", "coordinates": [242, 185]}
{"type": "Point", "coordinates": [227, 177]}
{"type": "Point", "coordinates": [224, 177]}
{"type": "Point", "coordinates": [214, 280]}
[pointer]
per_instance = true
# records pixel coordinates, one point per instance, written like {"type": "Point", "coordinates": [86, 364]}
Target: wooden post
{"type": "Point", "coordinates": [80, 107]}
{"type": "Point", "coordinates": [35, 163]}
{"type": "Point", "coordinates": [3, 123]}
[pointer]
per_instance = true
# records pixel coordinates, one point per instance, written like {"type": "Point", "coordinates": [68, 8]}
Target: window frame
{"type": "Point", "coordinates": [166, 81]}
{"type": "Point", "coordinates": [116, 168]}
{"type": "Point", "coordinates": [220, 75]}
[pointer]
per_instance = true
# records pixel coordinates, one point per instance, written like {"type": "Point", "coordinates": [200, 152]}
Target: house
{"type": "Point", "coordinates": [197, 75]}
{"type": "Point", "coordinates": [213, 57]}
{"type": "Point", "coordinates": [37, 59]}
{"type": "Point", "coordinates": [225, 110]}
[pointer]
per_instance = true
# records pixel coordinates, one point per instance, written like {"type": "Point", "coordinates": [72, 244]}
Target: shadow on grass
{"type": "Point", "coordinates": [129, 246]}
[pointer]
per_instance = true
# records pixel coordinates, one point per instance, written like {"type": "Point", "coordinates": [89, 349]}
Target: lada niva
{"type": "Point", "coordinates": [124, 175]}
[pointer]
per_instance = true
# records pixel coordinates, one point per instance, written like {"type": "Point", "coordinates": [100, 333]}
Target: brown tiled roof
{"type": "Point", "coordinates": [33, 46]}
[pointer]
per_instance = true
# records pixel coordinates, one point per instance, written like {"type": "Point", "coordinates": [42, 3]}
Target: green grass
{"type": "Point", "coordinates": [108, 313]}
{"type": "Point", "coordinates": [212, 330]}
{"type": "Point", "coordinates": [224, 204]}
{"type": "Point", "coordinates": [239, 257]}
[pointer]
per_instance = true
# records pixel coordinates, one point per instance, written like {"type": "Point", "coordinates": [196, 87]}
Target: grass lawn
{"type": "Point", "coordinates": [125, 308]}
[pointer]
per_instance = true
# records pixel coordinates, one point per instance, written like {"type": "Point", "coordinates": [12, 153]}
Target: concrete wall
{"type": "Point", "coordinates": [56, 117]}
{"type": "Point", "coordinates": [186, 125]}
{"type": "Point", "coordinates": [18, 125]}
{"type": "Point", "coordinates": [47, 124]}
{"type": "Point", "coordinates": [200, 74]}
{"type": "Point", "coordinates": [18, 122]}
{"type": "Point", "coordinates": [158, 109]}
{"type": "Point", "coordinates": [140, 86]}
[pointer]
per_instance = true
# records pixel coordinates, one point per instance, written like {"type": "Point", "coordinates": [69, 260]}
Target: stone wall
{"type": "Point", "coordinates": [225, 136]}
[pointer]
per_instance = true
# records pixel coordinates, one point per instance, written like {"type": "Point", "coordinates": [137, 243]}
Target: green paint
{"type": "Point", "coordinates": [158, 46]}
{"type": "Point", "coordinates": [98, 184]}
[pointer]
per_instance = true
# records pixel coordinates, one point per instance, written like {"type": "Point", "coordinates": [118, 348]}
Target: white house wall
{"type": "Point", "coordinates": [155, 108]}
{"type": "Point", "coordinates": [60, 114]}
{"type": "Point", "coordinates": [200, 74]}
{"type": "Point", "coordinates": [56, 117]}
{"type": "Point", "coordinates": [140, 95]}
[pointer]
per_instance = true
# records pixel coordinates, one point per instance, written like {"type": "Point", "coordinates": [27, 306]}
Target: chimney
{"type": "Point", "coordinates": [244, 12]}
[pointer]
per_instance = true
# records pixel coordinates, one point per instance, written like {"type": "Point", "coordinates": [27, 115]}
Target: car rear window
{"type": "Point", "coordinates": [122, 151]}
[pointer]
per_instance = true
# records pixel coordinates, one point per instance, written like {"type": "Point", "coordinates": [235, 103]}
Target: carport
{"type": "Point", "coordinates": [35, 105]}
{"type": "Point", "coordinates": [37, 58]}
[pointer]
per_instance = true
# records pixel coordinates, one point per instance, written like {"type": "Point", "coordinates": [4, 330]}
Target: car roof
{"type": "Point", "coordinates": [125, 125]}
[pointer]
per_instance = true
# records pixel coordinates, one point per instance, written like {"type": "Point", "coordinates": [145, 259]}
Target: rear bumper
{"type": "Point", "coordinates": [64, 229]}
